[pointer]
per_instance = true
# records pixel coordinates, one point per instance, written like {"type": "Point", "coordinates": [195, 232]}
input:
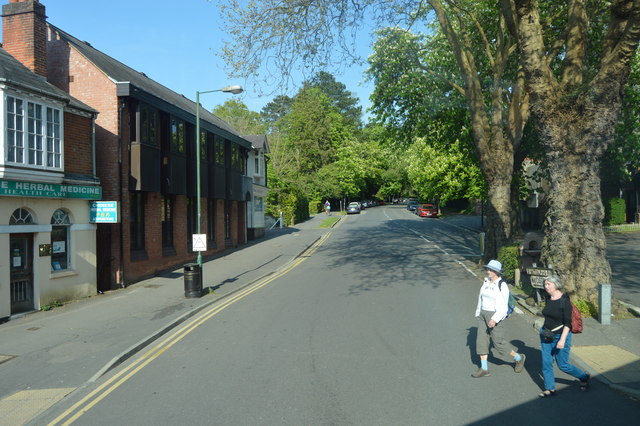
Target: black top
{"type": "Point", "coordinates": [557, 312]}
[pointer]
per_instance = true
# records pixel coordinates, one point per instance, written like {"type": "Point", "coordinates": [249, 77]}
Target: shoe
{"type": "Point", "coordinates": [481, 373]}
{"type": "Point", "coordinates": [520, 364]}
{"type": "Point", "coordinates": [584, 384]}
{"type": "Point", "coordinates": [547, 393]}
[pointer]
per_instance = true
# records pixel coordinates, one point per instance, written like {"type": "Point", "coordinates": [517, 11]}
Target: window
{"type": "Point", "coordinates": [167, 221]}
{"type": "Point", "coordinates": [177, 135]}
{"type": "Point", "coordinates": [136, 220]}
{"type": "Point", "coordinates": [203, 145]}
{"type": "Point", "coordinates": [148, 125]}
{"type": "Point", "coordinates": [219, 150]}
{"type": "Point", "coordinates": [256, 169]}
{"type": "Point", "coordinates": [60, 239]}
{"type": "Point", "coordinates": [235, 157]}
{"type": "Point", "coordinates": [40, 127]}
{"type": "Point", "coordinates": [21, 217]}
{"type": "Point", "coordinates": [258, 205]}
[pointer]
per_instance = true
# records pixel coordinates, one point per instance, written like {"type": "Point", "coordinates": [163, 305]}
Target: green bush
{"type": "Point", "coordinates": [293, 205]}
{"type": "Point", "coordinates": [509, 256]}
{"type": "Point", "coordinates": [615, 211]}
{"type": "Point", "coordinates": [586, 308]}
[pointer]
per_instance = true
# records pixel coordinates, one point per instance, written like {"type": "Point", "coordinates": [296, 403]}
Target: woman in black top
{"type": "Point", "coordinates": [557, 318]}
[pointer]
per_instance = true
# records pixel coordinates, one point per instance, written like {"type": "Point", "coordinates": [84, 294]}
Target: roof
{"type": "Point", "coordinates": [132, 82]}
{"type": "Point", "coordinates": [14, 73]}
{"type": "Point", "coordinates": [258, 142]}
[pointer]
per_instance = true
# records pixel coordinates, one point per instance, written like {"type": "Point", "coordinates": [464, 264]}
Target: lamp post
{"type": "Point", "coordinates": [229, 89]}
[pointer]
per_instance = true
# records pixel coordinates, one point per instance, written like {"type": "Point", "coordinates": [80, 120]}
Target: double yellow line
{"type": "Point", "coordinates": [85, 404]}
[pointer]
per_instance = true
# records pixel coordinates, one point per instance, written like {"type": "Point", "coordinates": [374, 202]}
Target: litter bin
{"type": "Point", "coordinates": [192, 280]}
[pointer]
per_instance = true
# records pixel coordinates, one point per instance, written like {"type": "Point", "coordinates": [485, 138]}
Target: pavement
{"type": "Point", "coordinates": [47, 355]}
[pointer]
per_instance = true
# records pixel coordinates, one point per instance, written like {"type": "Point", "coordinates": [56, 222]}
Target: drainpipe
{"type": "Point", "coordinates": [93, 147]}
{"type": "Point", "coordinates": [120, 192]}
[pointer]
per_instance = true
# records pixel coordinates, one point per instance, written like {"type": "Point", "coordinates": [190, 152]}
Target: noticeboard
{"type": "Point", "coordinates": [537, 275]}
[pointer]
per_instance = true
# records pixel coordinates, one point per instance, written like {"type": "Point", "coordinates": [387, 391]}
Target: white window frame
{"type": "Point", "coordinates": [61, 219]}
{"type": "Point", "coordinates": [33, 135]}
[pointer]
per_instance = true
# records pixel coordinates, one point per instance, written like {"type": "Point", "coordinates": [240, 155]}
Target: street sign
{"type": "Point", "coordinates": [537, 276]}
{"type": "Point", "coordinates": [199, 242]}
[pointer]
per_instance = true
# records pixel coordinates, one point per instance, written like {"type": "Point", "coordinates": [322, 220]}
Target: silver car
{"type": "Point", "coordinates": [353, 208]}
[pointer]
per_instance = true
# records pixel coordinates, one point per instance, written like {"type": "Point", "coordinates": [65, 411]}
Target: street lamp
{"type": "Point", "coordinates": [229, 89]}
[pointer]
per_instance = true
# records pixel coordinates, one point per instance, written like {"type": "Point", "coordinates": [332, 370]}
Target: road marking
{"type": "Point", "coordinates": [102, 391]}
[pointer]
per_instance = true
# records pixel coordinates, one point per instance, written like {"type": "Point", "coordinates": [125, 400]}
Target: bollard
{"type": "Point", "coordinates": [604, 300]}
{"type": "Point", "coordinates": [482, 234]}
{"type": "Point", "coordinates": [192, 280]}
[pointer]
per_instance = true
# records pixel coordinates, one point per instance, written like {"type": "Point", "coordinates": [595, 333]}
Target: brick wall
{"type": "Point", "coordinates": [24, 34]}
{"type": "Point", "coordinates": [78, 157]}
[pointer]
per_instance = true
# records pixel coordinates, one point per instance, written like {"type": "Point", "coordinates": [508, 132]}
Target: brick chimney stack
{"type": "Point", "coordinates": [24, 33]}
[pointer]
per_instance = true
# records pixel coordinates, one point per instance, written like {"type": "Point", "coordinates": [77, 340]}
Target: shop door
{"type": "Point", "coordinates": [21, 261]}
{"type": "Point", "coordinates": [103, 253]}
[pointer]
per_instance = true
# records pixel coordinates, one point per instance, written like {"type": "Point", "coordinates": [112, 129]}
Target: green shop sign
{"type": "Point", "coordinates": [49, 190]}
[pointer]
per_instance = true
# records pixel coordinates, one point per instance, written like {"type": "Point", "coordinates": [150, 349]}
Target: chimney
{"type": "Point", "coordinates": [24, 33]}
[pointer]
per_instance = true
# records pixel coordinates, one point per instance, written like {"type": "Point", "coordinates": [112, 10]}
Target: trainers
{"type": "Point", "coordinates": [520, 364]}
{"type": "Point", "coordinates": [481, 373]}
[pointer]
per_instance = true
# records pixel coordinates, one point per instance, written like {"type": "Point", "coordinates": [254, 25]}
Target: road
{"type": "Point", "coordinates": [373, 326]}
{"type": "Point", "coordinates": [623, 251]}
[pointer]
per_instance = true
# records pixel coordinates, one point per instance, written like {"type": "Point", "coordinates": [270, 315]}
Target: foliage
{"type": "Point", "coordinates": [509, 256]}
{"type": "Point", "coordinates": [443, 174]}
{"type": "Point", "coordinates": [51, 306]}
{"type": "Point", "coordinates": [294, 206]}
{"type": "Point", "coordinates": [586, 307]}
{"type": "Point", "coordinates": [622, 159]}
{"type": "Point", "coordinates": [614, 212]}
{"type": "Point", "coordinates": [341, 99]}
{"type": "Point", "coordinates": [275, 110]}
{"type": "Point", "coordinates": [238, 115]}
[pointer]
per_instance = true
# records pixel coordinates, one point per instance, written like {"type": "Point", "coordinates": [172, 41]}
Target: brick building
{"type": "Point", "coordinates": [146, 161]}
{"type": "Point", "coordinates": [47, 177]}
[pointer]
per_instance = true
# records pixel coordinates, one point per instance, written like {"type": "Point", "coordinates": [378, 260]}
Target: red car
{"type": "Point", "coordinates": [427, 210]}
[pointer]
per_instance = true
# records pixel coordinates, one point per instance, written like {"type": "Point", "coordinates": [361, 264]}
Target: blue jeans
{"type": "Point", "coordinates": [549, 351]}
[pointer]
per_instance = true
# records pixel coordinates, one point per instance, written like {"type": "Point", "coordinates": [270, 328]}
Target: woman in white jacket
{"type": "Point", "coordinates": [491, 310]}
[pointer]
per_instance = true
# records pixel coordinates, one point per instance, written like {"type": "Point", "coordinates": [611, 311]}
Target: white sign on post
{"type": "Point", "coordinates": [199, 242]}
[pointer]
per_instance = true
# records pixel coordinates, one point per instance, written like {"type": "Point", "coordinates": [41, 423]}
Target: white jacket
{"type": "Point", "coordinates": [494, 297]}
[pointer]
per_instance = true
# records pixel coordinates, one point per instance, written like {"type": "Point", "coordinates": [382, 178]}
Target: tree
{"type": "Point", "coordinates": [342, 99]}
{"type": "Point", "coordinates": [419, 76]}
{"type": "Point", "coordinates": [238, 115]}
{"type": "Point", "coordinates": [576, 80]}
{"type": "Point", "coordinates": [313, 130]}
{"type": "Point", "coordinates": [275, 110]}
{"type": "Point", "coordinates": [306, 36]}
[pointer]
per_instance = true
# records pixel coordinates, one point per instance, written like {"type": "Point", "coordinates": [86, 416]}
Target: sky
{"type": "Point", "coordinates": [173, 43]}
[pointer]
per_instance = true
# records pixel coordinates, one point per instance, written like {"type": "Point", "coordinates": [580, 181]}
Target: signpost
{"type": "Point", "coordinates": [537, 276]}
{"type": "Point", "coordinates": [199, 242]}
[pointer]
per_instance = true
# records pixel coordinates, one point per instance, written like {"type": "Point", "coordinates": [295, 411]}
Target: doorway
{"type": "Point", "coordinates": [21, 261]}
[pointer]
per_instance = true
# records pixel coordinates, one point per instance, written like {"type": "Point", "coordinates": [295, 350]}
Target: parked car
{"type": "Point", "coordinates": [412, 205]}
{"type": "Point", "coordinates": [427, 210]}
{"type": "Point", "coordinates": [353, 208]}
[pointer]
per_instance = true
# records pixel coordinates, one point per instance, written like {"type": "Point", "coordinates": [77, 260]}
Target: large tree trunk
{"type": "Point", "coordinates": [574, 242]}
{"type": "Point", "coordinates": [499, 220]}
